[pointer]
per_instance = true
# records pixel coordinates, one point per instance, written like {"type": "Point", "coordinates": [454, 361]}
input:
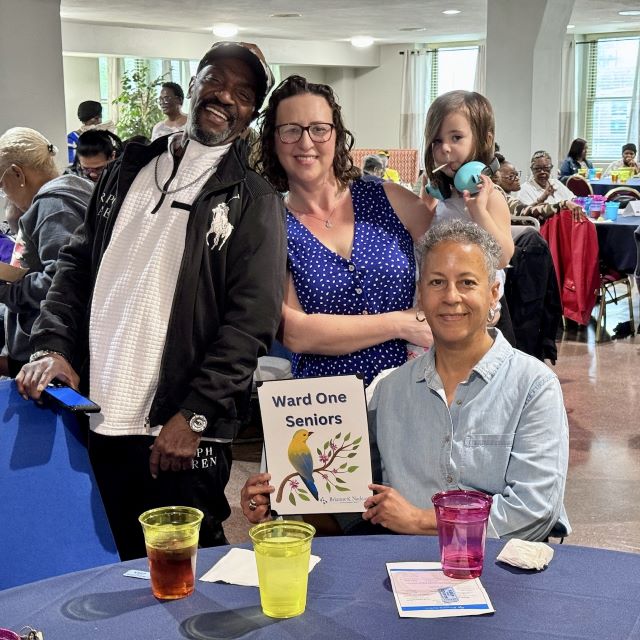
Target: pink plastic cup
{"type": "Point", "coordinates": [462, 528]}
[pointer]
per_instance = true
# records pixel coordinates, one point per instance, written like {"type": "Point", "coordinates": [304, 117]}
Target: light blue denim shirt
{"type": "Point", "coordinates": [505, 434]}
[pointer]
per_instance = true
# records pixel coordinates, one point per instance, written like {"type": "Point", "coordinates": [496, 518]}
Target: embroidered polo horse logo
{"type": "Point", "coordinates": [220, 227]}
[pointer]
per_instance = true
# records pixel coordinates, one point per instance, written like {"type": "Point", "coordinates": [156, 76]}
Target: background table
{"type": "Point", "coordinates": [585, 593]}
{"type": "Point", "coordinates": [617, 244]}
{"type": "Point", "coordinates": [602, 186]}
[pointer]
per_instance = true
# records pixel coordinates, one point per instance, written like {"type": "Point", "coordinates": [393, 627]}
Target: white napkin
{"type": "Point", "coordinates": [526, 555]}
{"type": "Point", "coordinates": [238, 566]}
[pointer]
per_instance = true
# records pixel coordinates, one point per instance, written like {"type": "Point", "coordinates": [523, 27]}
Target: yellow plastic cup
{"type": "Point", "coordinates": [614, 176]}
{"type": "Point", "coordinates": [171, 537]}
{"type": "Point", "coordinates": [282, 549]}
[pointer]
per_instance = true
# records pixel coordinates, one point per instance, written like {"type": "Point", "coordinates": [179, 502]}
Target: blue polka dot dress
{"type": "Point", "coordinates": [379, 277]}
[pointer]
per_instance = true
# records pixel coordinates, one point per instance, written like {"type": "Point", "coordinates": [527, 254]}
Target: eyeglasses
{"type": "Point", "coordinates": [545, 169]}
{"type": "Point", "coordinates": [512, 176]}
{"type": "Point", "coordinates": [291, 132]}
{"type": "Point", "coordinates": [163, 99]}
{"type": "Point", "coordinates": [92, 172]}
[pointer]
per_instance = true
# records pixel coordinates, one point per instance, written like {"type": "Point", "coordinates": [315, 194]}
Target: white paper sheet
{"type": "Point", "coordinates": [421, 590]}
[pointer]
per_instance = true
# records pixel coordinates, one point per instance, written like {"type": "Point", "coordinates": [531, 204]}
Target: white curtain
{"type": "Point", "coordinates": [480, 81]}
{"type": "Point", "coordinates": [633, 129]}
{"type": "Point", "coordinates": [568, 116]}
{"type": "Point", "coordinates": [114, 76]}
{"type": "Point", "coordinates": [416, 83]}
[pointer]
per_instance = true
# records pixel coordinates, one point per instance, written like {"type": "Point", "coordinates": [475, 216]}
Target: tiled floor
{"type": "Point", "coordinates": [601, 388]}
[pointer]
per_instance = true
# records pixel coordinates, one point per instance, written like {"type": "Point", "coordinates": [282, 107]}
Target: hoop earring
{"type": "Point", "coordinates": [491, 316]}
{"type": "Point", "coordinates": [420, 317]}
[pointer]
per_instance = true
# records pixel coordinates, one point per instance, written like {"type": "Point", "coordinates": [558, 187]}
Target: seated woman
{"type": "Point", "coordinates": [95, 150]}
{"type": "Point", "coordinates": [508, 179]}
{"type": "Point", "coordinates": [576, 159]}
{"type": "Point", "coordinates": [628, 160]}
{"type": "Point", "coordinates": [349, 297]}
{"type": "Point", "coordinates": [443, 421]}
{"type": "Point", "coordinates": [541, 187]}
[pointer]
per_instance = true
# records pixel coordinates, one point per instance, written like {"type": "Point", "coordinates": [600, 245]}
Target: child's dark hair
{"type": "Point", "coordinates": [481, 120]}
{"type": "Point", "coordinates": [96, 141]}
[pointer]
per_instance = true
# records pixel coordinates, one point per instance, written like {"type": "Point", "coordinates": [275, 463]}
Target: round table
{"type": "Point", "coordinates": [617, 244]}
{"type": "Point", "coordinates": [584, 593]}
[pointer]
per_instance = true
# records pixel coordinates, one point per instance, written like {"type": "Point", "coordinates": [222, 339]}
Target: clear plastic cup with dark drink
{"type": "Point", "coordinates": [171, 537]}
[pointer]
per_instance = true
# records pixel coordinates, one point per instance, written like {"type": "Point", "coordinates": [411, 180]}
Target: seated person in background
{"type": "Point", "coordinates": [443, 421]}
{"type": "Point", "coordinates": [94, 151]}
{"type": "Point", "coordinates": [389, 173]}
{"type": "Point", "coordinates": [508, 179]}
{"type": "Point", "coordinates": [170, 100]}
{"type": "Point", "coordinates": [54, 206]}
{"type": "Point", "coordinates": [541, 187]}
{"type": "Point", "coordinates": [90, 114]}
{"type": "Point", "coordinates": [628, 160]}
{"type": "Point", "coordinates": [576, 159]}
{"type": "Point", "coordinates": [372, 169]}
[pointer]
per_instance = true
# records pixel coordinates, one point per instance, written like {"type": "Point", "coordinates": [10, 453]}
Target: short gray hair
{"type": "Point", "coordinates": [541, 154]}
{"type": "Point", "coordinates": [464, 233]}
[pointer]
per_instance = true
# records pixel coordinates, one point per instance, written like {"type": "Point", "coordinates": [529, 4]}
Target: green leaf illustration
{"type": "Point", "coordinates": [301, 490]}
{"type": "Point", "coordinates": [328, 487]}
{"type": "Point", "coordinates": [292, 499]}
{"type": "Point", "coordinates": [338, 479]}
{"type": "Point", "coordinates": [338, 488]}
{"type": "Point", "coordinates": [303, 496]}
{"type": "Point", "coordinates": [325, 445]}
{"type": "Point", "coordinates": [337, 436]}
{"type": "Point", "coordinates": [351, 469]}
{"type": "Point", "coordinates": [319, 452]}
{"type": "Point", "coordinates": [351, 455]}
{"type": "Point", "coordinates": [346, 438]}
{"type": "Point", "coordinates": [357, 440]}
{"type": "Point", "coordinates": [342, 466]}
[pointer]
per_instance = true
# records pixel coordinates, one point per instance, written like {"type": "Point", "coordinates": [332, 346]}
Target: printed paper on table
{"type": "Point", "coordinates": [317, 444]}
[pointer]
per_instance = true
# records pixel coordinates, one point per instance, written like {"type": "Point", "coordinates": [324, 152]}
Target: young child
{"type": "Point", "coordinates": [460, 128]}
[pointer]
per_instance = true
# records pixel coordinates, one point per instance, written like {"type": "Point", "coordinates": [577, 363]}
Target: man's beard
{"type": "Point", "coordinates": [210, 138]}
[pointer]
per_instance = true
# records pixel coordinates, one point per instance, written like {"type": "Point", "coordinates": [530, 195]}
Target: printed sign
{"type": "Point", "coordinates": [317, 444]}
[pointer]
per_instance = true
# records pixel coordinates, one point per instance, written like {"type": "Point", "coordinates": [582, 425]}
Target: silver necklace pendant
{"type": "Point", "coordinates": [327, 224]}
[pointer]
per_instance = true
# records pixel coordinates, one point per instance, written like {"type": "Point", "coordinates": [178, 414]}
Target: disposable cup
{"type": "Point", "coordinates": [7, 634]}
{"type": "Point", "coordinates": [462, 517]}
{"type": "Point", "coordinates": [598, 174]}
{"type": "Point", "coordinates": [614, 176]}
{"type": "Point", "coordinates": [282, 549]}
{"type": "Point", "coordinates": [592, 174]}
{"type": "Point", "coordinates": [171, 537]}
{"type": "Point", "coordinates": [611, 210]}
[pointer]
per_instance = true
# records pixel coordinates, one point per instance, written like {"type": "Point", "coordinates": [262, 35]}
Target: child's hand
{"type": "Point", "coordinates": [478, 203]}
{"type": "Point", "coordinates": [430, 202]}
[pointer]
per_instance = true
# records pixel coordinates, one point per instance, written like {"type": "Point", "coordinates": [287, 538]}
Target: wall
{"type": "Point", "coordinates": [81, 82]}
{"type": "Point", "coordinates": [31, 74]}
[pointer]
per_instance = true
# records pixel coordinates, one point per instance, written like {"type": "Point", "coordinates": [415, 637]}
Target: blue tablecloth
{"type": "Point", "coordinates": [617, 244]}
{"type": "Point", "coordinates": [604, 185]}
{"type": "Point", "coordinates": [584, 593]}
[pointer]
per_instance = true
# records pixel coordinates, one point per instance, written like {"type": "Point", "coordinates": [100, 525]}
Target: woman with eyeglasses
{"type": "Point", "coordinates": [54, 207]}
{"type": "Point", "coordinates": [507, 177]}
{"type": "Point", "coordinates": [170, 101]}
{"type": "Point", "coordinates": [541, 187]}
{"type": "Point", "coordinates": [351, 283]}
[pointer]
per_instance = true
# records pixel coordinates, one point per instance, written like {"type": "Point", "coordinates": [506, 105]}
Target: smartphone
{"type": "Point", "coordinates": [70, 399]}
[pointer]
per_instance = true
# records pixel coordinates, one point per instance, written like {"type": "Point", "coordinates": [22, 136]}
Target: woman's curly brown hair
{"type": "Point", "coordinates": [269, 165]}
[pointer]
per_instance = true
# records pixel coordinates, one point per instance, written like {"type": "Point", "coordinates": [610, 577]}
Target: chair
{"type": "Point", "coordinates": [579, 185]}
{"type": "Point", "coordinates": [623, 195]}
{"type": "Point", "coordinates": [523, 224]}
{"type": "Point", "coordinates": [608, 294]}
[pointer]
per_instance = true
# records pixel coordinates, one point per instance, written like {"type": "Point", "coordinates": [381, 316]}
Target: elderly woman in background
{"type": "Point", "coordinates": [576, 159]}
{"type": "Point", "coordinates": [541, 187]}
{"type": "Point", "coordinates": [54, 206]}
{"type": "Point", "coordinates": [349, 296]}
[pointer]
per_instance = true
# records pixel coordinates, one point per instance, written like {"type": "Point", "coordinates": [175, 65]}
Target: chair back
{"type": "Point", "coordinates": [523, 224]}
{"type": "Point", "coordinates": [579, 185]}
{"type": "Point", "coordinates": [622, 195]}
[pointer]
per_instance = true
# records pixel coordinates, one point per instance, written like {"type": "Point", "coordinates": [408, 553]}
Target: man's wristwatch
{"type": "Point", "coordinates": [42, 353]}
{"type": "Point", "coordinates": [197, 423]}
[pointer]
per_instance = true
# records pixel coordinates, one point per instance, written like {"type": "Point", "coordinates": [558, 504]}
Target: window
{"type": "Point", "coordinates": [611, 68]}
{"type": "Point", "coordinates": [454, 69]}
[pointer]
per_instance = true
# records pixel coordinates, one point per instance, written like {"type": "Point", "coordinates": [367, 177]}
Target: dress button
{"type": "Point", "coordinates": [365, 313]}
{"type": "Point", "coordinates": [458, 402]}
{"type": "Point", "coordinates": [449, 479]}
{"type": "Point", "coordinates": [352, 267]}
{"type": "Point", "coordinates": [358, 290]}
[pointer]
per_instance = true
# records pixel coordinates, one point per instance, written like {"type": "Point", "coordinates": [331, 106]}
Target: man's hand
{"type": "Point", "coordinates": [175, 447]}
{"type": "Point", "coordinates": [389, 509]}
{"type": "Point", "coordinates": [34, 377]}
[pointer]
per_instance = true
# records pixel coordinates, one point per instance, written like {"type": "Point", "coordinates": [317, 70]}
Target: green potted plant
{"type": "Point", "coordinates": [138, 104]}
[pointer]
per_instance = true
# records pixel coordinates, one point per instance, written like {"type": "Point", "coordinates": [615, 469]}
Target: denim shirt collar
{"type": "Point", "coordinates": [486, 368]}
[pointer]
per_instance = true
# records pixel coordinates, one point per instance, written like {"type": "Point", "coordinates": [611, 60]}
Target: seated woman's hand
{"type": "Point", "coordinates": [254, 498]}
{"type": "Point", "coordinates": [389, 509]}
{"type": "Point", "coordinates": [576, 211]}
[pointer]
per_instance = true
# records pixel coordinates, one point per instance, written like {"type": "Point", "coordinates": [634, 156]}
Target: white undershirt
{"type": "Point", "coordinates": [135, 288]}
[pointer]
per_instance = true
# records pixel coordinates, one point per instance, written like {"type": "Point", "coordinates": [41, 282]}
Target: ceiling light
{"type": "Point", "coordinates": [361, 41]}
{"type": "Point", "coordinates": [633, 12]}
{"type": "Point", "coordinates": [451, 12]}
{"type": "Point", "coordinates": [286, 15]}
{"type": "Point", "coordinates": [225, 30]}
{"type": "Point", "coordinates": [571, 26]}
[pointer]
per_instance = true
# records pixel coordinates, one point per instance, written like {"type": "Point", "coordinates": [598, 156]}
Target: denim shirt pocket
{"type": "Point", "coordinates": [485, 460]}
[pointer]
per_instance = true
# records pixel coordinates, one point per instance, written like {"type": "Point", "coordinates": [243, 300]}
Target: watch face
{"type": "Point", "coordinates": [198, 423]}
